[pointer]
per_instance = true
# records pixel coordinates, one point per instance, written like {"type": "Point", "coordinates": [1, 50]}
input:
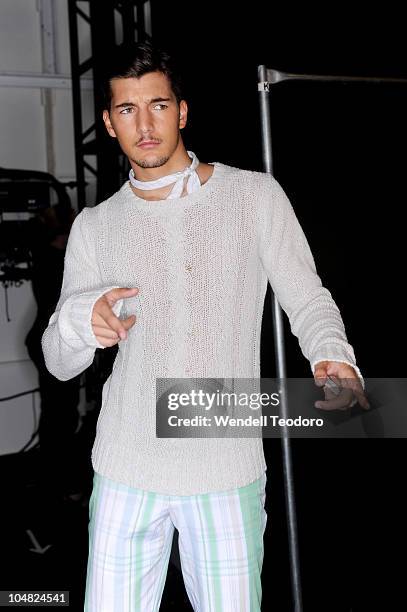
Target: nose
{"type": "Point", "coordinates": [145, 121]}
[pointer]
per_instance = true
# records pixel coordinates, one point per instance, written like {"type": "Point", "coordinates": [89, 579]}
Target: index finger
{"type": "Point", "coordinates": [357, 388]}
{"type": "Point", "coordinates": [342, 400]}
{"type": "Point", "coordinates": [108, 316]}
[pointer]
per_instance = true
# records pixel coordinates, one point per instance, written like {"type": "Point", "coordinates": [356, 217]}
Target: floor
{"type": "Point", "coordinates": [45, 540]}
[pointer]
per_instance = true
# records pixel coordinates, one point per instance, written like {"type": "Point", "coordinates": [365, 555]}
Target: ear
{"type": "Point", "coordinates": [183, 114]}
{"type": "Point", "coordinates": [108, 124]}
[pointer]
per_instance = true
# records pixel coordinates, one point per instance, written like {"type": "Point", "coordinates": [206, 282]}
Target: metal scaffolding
{"type": "Point", "coordinates": [110, 23]}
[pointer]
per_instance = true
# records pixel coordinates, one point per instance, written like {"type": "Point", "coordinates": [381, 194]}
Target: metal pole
{"type": "Point", "coordinates": [273, 76]}
{"type": "Point", "coordinates": [77, 103]}
{"type": "Point", "coordinates": [49, 65]}
{"type": "Point", "coordinates": [264, 94]}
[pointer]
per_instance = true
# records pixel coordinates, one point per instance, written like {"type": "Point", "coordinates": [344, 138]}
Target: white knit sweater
{"type": "Point", "coordinates": [201, 263]}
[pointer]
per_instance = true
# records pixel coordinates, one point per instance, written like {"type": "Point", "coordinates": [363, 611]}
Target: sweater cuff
{"type": "Point", "coordinates": [75, 318]}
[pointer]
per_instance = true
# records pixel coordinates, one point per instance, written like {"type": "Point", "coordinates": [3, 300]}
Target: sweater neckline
{"type": "Point", "coordinates": [177, 203]}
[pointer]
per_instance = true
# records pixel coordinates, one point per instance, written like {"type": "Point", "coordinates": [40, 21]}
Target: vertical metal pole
{"type": "Point", "coordinates": [103, 41]}
{"type": "Point", "coordinates": [49, 66]}
{"type": "Point", "coordinates": [77, 104]}
{"type": "Point", "coordinates": [264, 95]}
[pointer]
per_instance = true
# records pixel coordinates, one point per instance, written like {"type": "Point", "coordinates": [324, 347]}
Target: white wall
{"type": "Point", "coordinates": [23, 145]}
{"type": "Point", "coordinates": [20, 36]}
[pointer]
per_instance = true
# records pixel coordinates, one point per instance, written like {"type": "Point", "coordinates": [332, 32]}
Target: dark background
{"type": "Point", "coordinates": [339, 153]}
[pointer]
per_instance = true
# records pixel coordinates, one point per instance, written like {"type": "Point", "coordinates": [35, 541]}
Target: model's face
{"type": "Point", "coordinates": [146, 119]}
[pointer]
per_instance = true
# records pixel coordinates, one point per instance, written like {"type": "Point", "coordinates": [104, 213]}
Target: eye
{"type": "Point", "coordinates": [161, 105]}
{"type": "Point", "coordinates": [126, 110]}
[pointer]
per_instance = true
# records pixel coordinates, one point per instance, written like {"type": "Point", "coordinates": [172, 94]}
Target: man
{"type": "Point", "coordinates": [174, 268]}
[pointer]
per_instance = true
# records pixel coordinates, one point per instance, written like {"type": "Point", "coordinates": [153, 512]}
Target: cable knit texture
{"type": "Point", "coordinates": [201, 263]}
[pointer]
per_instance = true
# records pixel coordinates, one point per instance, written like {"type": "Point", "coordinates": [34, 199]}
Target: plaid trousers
{"type": "Point", "coordinates": [220, 538]}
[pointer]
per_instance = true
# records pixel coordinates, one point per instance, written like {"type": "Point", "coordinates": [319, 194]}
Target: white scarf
{"type": "Point", "coordinates": [193, 182]}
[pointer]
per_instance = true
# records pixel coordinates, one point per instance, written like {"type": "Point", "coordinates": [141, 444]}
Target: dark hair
{"type": "Point", "coordinates": [137, 60]}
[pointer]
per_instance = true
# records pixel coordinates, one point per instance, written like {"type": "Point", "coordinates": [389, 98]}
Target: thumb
{"type": "Point", "coordinates": [121, 292]}
{"type": "Point", "coordinates": [320, 375]}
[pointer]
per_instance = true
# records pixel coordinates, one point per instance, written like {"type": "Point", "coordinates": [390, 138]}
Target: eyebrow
{"type": "Point", "coordinates": [153, 100]}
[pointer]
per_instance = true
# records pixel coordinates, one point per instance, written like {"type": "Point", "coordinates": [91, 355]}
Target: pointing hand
{"type": "Point", "coordinates": [108, 328]}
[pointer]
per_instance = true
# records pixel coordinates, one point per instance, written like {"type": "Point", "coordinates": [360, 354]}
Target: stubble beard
{"type": "Point", "coordinates": [154, 163]}
{"type": "Point", "coordinates": [151, 163]}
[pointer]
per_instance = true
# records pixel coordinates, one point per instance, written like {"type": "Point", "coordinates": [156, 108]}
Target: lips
{"type": "Point", "coordinates": [147, 144]}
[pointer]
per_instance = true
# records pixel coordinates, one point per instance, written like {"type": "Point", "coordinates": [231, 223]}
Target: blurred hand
{"type": "Point", "coordinates": [108, 328]}
{"type": "Point", "coordinates": [339, 396]}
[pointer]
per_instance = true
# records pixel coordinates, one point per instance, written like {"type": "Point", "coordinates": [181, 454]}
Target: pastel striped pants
{"type": "Point", "coordinates": [220, 538]}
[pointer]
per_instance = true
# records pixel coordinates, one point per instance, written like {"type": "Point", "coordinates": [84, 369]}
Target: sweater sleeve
{"type": "Point", "coordinates": [68, 342]}
{"type": "Point", "coordinates": [289, 264]}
